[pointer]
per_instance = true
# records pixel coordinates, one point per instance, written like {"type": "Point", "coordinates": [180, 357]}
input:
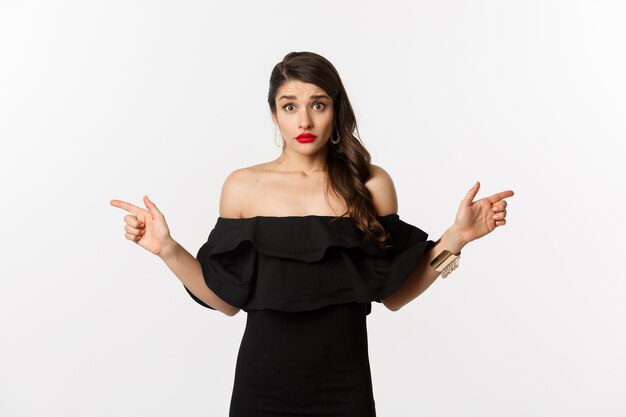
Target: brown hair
{"type": "Point", "coordinates": [348, 162]}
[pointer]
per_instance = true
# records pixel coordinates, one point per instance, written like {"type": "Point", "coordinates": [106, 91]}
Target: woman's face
{"type": "Point", "coordinates": [303, 108]}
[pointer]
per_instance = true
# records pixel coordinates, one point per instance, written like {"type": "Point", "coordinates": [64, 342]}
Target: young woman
{"type": "Point", "coordinates": [304, 244]}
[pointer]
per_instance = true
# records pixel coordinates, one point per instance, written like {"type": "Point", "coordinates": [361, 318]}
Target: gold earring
{"type": "Point", "coordinates": [281, 136]}
{"type": "Point", "coordinates": [334, 142]}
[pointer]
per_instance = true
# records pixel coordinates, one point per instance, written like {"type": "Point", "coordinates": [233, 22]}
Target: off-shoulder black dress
{"type": "Point", "coordinates": [306, 284]}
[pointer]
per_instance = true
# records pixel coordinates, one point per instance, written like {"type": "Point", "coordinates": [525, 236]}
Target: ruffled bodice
{"type": "Point", "coordinates": [301, 263]}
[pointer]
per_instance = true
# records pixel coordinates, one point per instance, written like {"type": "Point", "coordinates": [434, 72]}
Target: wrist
{"type": "Point", "coordinates": [169, 249]}
{"type": "Point", "coordinates": [452, 240]}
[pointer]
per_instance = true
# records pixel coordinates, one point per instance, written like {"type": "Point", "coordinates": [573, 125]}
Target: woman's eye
{"type": "Point", "coordinates": [288, 107]}
{"type": "Point", "coordinates": [320, 106]}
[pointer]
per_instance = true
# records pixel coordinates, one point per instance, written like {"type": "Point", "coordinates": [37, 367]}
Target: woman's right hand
{"type": "Point", "coordinates": [147, 228]}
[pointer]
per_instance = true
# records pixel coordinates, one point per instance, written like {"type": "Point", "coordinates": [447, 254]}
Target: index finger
{"type": "Point", "coordinates": [499, 196]}
{"type": "Point", "coordinates": [127, 206]}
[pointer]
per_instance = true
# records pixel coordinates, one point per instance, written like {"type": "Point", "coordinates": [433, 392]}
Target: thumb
{"type": "Point", "coordinates": [469, 198]}
{"type": "Point", "coordinates": [152, 208]}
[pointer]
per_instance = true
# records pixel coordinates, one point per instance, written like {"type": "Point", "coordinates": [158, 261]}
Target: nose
{"type": "Point", "coordinates": [305, 120]}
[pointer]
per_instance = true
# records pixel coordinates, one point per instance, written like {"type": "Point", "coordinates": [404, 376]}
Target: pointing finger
{"type": "Point", "coordinates": [127, 206]}
{"type": "Point", "coordinates": [499, 196]}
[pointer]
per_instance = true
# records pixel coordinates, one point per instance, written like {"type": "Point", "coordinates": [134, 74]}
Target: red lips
{"type": "Point", "coordinates": [306, 137]}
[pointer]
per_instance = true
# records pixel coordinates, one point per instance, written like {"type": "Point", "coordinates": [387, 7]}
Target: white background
{"type": "Point", "coordinates": [104, 100]}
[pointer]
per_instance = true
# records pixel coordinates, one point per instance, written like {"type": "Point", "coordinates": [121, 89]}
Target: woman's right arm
{"type": "Point", "coordinates": [148, 229]}
{"type": "Point", "coordinates": [187, 268]}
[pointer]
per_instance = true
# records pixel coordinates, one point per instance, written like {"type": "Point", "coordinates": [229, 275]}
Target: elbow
{"type": "Point", "coordinates": [231, 311]}
{"type": "Point", "coordinates": [390, 305]}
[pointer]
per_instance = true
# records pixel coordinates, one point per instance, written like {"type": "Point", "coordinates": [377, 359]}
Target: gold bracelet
{"type": "Point", "coordinates": [445, 262]}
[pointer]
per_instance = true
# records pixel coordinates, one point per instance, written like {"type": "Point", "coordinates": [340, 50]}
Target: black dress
{"type": "Point", "coordinates": [306, 284]}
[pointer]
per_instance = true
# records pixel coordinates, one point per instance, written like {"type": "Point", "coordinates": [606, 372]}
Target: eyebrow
{"type": "Point", "coordinates": [316, 97]}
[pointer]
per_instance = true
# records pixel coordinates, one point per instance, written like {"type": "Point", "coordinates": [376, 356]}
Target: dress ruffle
{"type": "Point", "coordinates": [301, 263]}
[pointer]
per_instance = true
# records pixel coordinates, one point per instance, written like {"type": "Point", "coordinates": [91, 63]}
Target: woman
{"type": "Point", "coordinates": [304, 244]}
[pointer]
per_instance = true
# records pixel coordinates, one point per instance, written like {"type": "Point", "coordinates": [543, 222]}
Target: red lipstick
{"type": "Point", "coordinates": [306, 137]}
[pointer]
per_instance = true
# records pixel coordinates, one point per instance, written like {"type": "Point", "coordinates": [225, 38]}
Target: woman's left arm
{"type": "Point", "coordinates": [474, 220]}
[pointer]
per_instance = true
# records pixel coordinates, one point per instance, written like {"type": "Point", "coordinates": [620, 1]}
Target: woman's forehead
{"type": "Point", "coordinates": [299, 90]}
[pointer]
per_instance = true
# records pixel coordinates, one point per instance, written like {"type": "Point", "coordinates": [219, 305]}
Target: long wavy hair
{"type": "Point", "coordinates": [348, 163]}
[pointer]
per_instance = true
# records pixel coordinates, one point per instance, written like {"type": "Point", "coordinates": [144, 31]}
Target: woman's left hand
{"type": "Point", "coordinates": [477, 218]}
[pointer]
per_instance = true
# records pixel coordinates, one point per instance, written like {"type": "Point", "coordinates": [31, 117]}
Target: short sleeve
{"type": "Point", "coordinates": [386, 271]}
{"type": "Point", "coordinates": [228, 264]}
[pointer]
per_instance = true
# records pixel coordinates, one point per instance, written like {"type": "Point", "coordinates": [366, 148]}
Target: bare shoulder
{"type": "Point", "coordinates": [236, 188]}
{"type": "Point", "coordinates": [383, 191]}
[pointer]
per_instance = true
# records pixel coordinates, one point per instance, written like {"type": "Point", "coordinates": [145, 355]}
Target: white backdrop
{"type": "Point", "coordinates": [106, 100]}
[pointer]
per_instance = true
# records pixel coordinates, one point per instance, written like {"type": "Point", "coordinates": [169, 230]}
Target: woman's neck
{"type": "Point", "coordinates": [306, 164]}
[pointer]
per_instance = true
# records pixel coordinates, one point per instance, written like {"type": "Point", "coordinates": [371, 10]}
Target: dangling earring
{"type": "Point", "coordinates": [334, 142]}
{"type": "Point", "coordinates": [281, 136]}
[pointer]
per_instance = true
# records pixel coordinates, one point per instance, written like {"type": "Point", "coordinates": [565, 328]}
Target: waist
{"type": "Point", "coordinates": [339, 329]}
